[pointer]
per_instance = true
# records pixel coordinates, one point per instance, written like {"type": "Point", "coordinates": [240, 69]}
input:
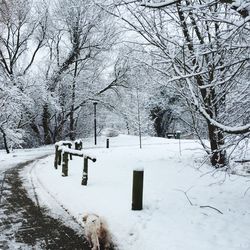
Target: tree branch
{"type": "Point", "coordinates": [216, 209]}
{"type": "Point", "coordinates": [158, 5]}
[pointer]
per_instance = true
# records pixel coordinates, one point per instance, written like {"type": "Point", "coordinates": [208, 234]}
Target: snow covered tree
{"type": "Point", "coordinates": [80, 38]}
{"type": "Point", "coordinates": [203, 51]}
{"type": "Point", "coordinates": [23, 29]}
{"type": "Point", "coordinates": [242, 6]}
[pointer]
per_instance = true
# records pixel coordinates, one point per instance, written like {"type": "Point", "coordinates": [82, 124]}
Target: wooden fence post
{"type": "Point", "coordinates": [65, 164]}
{"type": "Point", "coordinates": [137, 193]}
{"type": "Point", "coordinates": [70, 155]}
{"type": "Point", "coordinates": [59, 157]}
{"type": "Point", "coordinates": [78, 145]}
{"type": "Point", "coordinates": [178, 135]}
{"type": "Point", "coordinates": [85, 172]}
{"type": "Point", "coordinates": [56, 156]}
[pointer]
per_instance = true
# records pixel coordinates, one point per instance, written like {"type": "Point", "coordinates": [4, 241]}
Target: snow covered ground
{"type": "Point", "coordinates": [22, 155]}
{"type": "Point", "coordinates": [187, 205]}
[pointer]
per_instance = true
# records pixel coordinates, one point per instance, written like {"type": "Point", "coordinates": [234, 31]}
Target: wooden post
{"type": "Point", "coordinates": [137, 192]}
{"type": "Point", "coordinates": [85, 172]}
{"type": "Point", "coordinates": [78, 145]}
{"type": "Point", "coordinates": [178, 135]}
{"type": "Point", "coordinates": [56, 156]}
{"type": "Point", "coordinates": [107, 143]}
{"type": "Point", "coordinates": [65, 164]}
{"type": "Point", "coordinates": [70, 155]}
{"type": "Point", "coordinates": [59, 157]}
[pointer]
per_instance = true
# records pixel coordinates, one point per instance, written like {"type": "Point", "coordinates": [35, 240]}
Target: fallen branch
{"type": "Point", "coordinates": [246, 191]}
{"type": "Point", "coordinates": [185, 193]}
{"type": "Point", "coordinates": [190, 202]}
{"type": "Point", "coordinates": [242, 161]}
{"type": "Point", "coordinates": [212, 208]}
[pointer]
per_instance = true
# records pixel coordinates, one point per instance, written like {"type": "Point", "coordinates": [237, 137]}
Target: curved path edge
{"type": "Point", "coordinates": [27, 225]}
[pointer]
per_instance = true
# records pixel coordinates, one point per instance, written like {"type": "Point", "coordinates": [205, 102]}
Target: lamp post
{"type": "Point", "coordinates": [95, 103]}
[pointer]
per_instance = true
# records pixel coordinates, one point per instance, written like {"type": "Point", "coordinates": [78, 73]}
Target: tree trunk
{"type": "Point", "coordinates": [127, 126]}
{"type": "Point", "coordinates": [72, 134]}
{"type": "Point", "coordinates": [5, 141]}
{"type": "Point", "coordinates": [72, 126]}
{"type": "Point", "coordinates": [218, 156]}
{"type": "Point", "coordinates": [46, 116]}
{"type": "Point", "coordinates": [35, 129]}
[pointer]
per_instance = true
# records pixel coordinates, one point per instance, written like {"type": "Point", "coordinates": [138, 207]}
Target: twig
{"type": "Point", "coordinates": [246, 191]}
{"type": "Point", "coordinates": [242, 161]}
{"type": "Point", "coordinates": [185, 193]}
{"type": "Point", "coordinates": [212, 208]}
{"type": "Point", "coordinates": [190, 202]}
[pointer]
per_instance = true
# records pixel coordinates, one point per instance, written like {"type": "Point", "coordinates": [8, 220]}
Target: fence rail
{"type": "Point", "coordinates": [64, 152]}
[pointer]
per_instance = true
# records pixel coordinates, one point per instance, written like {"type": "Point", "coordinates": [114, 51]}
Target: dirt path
{"type": "Point", "coordinates": [24, 225]}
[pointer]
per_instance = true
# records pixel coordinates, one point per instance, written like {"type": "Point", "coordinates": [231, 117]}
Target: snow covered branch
{"type": "Point", "coordinates": [151, 4]}
{"type": "Point", "coordinates": [228, 129]}
{"type": "Point", "coordinates": [241, 6]}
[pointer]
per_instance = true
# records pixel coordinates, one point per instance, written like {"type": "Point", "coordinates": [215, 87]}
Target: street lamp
{"type": "Point", "coordinates": [95, 103]}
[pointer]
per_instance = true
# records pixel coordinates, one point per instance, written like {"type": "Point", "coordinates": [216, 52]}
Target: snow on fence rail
{"type": "Point", "coordinates": [64, 151]}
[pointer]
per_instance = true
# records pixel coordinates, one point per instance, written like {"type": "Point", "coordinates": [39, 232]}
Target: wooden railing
{"type": "Point", "coordinates": [64, 152]}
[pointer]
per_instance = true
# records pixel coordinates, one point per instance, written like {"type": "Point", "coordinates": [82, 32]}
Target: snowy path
{"type": "Point", "coordinates": [26, 225]}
